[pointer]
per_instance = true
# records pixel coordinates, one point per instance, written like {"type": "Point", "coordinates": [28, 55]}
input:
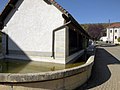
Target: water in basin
{"type": "Point", "coordinates": [20, 66]}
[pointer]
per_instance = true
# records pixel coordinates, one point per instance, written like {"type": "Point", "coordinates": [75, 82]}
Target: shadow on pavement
{"type": "Point", "coordinates": [100, 73]}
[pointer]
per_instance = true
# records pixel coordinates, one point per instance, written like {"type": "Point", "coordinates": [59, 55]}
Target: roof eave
{"type": "Point", "coordinates": [78, 26]}
{"type": "Point", "coordinates": [6, 11]}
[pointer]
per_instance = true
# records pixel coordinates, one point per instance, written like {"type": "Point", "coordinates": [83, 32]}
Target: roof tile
{"type": "Point", "coordinates": [114, 25]}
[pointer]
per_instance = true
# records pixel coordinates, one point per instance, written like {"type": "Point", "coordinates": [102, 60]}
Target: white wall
{"type": "Point", "coordinates": [108, 34]}
{"type": "Point", "coordinates": [30, 28]}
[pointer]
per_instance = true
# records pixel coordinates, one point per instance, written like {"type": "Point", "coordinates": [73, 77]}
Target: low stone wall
{"type": "Point", "coordinates": [67, 79]}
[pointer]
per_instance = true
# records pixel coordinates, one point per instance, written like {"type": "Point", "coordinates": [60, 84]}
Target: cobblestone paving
{"type": "Point", "coordinates": [106, 70]}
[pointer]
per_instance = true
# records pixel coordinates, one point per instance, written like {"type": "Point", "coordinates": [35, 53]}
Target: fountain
{"type": "Point", "coordinates": [24, 75]}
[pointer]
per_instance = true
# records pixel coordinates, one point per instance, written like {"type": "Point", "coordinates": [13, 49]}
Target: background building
{"type": "Point", "coordinates": [113, 33]}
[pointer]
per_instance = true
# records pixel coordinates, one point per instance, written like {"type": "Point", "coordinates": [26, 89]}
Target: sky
{"type": "Point", "coordinates": [2, 4]}
{"type": "Point", "coordinates": [89, 11]}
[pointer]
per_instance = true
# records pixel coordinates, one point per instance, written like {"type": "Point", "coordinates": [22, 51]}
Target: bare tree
{"type": "Point", "coordinates": [94, 30]}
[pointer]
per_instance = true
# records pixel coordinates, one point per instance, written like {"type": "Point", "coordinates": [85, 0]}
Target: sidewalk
{"type": "Point", "coordinates": [106, 70]}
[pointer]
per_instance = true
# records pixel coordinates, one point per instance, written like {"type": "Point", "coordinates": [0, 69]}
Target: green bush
{"type": "Point", "coordinates": [119, 39]}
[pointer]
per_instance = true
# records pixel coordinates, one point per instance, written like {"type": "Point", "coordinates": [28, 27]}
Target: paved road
{"type": "Point", "coordinates": [106, 70]}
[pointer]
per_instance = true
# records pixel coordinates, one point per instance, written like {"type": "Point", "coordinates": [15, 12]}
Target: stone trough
{"type": "Point", "coordinates": [67, 79]}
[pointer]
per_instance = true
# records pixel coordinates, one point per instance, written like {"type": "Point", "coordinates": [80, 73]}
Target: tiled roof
{"type": "Point", "coordinates": [59, 7]}
{"type": "Point", "coordinates": [114, 25]}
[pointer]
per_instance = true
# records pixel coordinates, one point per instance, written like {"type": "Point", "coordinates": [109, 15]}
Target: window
{"type": "Point", "coordinates": [72, 41]}
{"type": "Point", "coordinates": [115, 31]}
{"type": "Point", "coordinates": [115, 37]}
{"type": "Point", "coordinates": [110, 31]}
{"type": "Point", "coordinates": [76, 41]}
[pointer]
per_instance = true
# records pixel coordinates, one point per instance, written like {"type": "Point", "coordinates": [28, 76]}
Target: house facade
{"type": "Point", "coordinates": [113, 33]}
{"type": "Point", "coordinates": [41, 30]}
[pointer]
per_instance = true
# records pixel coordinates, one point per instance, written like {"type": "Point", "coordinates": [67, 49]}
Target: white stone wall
{"type": "Point", "coordinates": [60, 50]}
{"type": "Point", "coordinates": [108, 34]}
{"type": "Point", "coordinates": [30, 28]}
{"type": "Point", "coordinates": [111, 34]}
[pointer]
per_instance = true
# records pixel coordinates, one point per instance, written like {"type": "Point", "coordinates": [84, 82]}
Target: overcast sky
{"type": "Point", "coordinates": [89, 11]}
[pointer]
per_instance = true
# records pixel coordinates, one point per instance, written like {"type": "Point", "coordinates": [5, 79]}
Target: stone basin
{"type": "Point", "coordinates": [67, 79]}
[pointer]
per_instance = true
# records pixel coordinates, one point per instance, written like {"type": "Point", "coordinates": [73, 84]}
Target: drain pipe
{"type": "Point", "coordinates": [53, 37]}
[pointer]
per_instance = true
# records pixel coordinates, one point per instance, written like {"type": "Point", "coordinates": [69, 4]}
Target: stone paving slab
{"type": "Point", "coordinates": [106, 70]}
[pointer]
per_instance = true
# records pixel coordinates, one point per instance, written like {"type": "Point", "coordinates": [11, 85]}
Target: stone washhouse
{"type": "Point", "coordinates": [41, 30]}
